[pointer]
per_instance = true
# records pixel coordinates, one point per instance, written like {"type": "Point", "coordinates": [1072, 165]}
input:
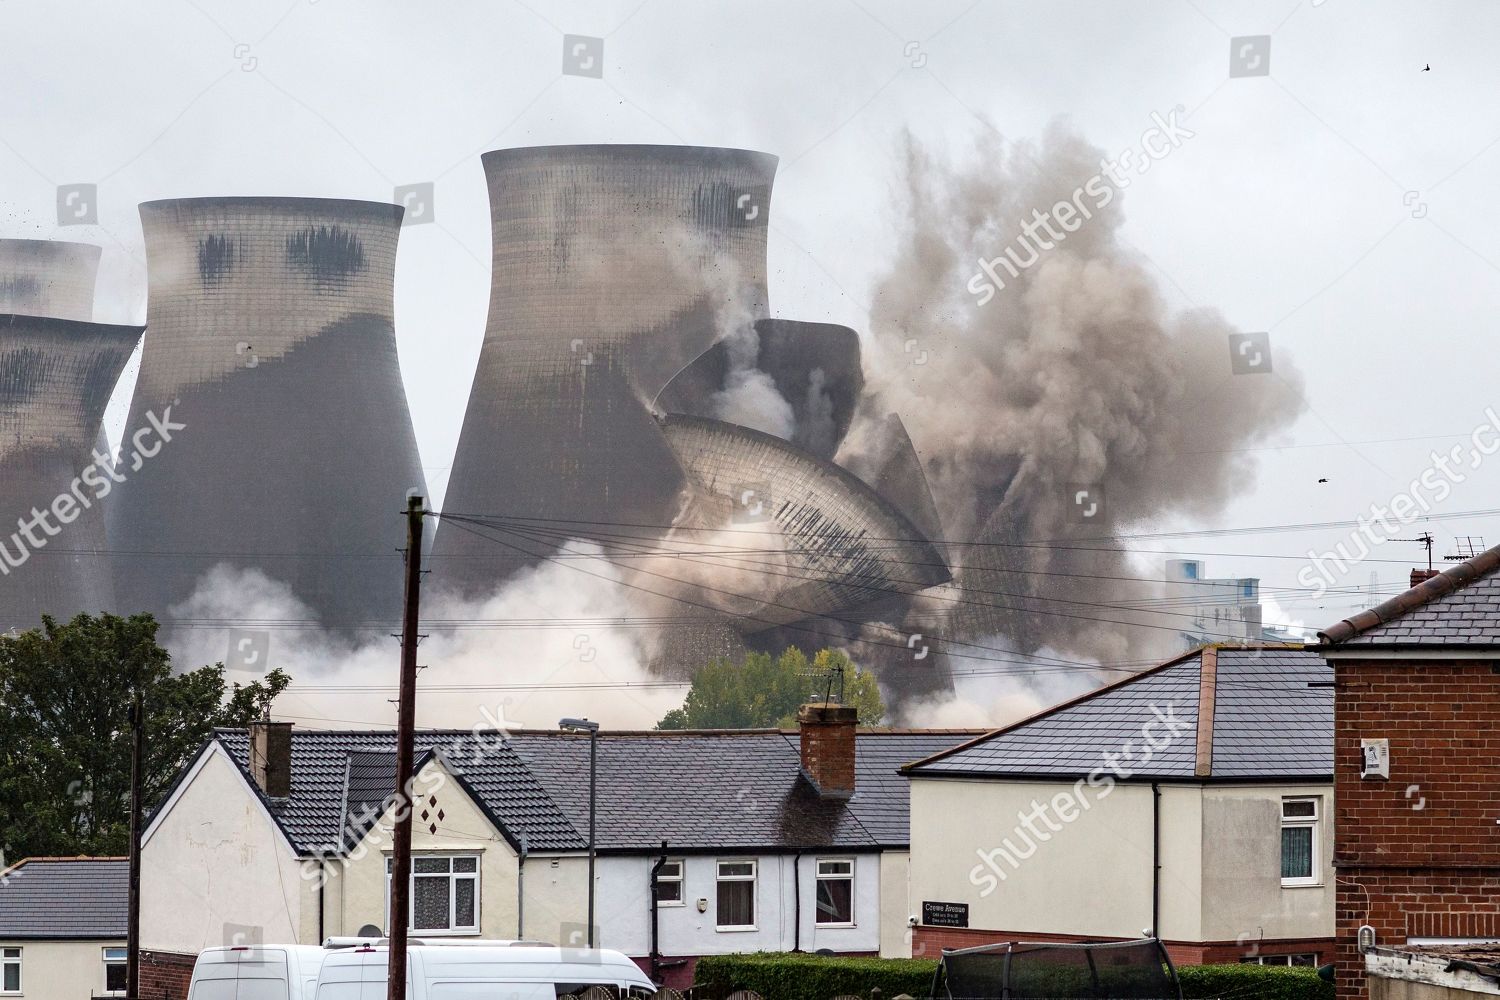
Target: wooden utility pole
{"type": "Point", "coordinates": [133, 916]}
{"type": "Point", "coordinates": [405, 736]}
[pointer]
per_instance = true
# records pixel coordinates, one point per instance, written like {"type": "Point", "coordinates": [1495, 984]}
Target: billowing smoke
{"type": "Point", "coordinates": [1072, 377]}
{"type": "Point", "coordinates": [558, 624]}
{"type": "Point", "coordinates": [749, 396]}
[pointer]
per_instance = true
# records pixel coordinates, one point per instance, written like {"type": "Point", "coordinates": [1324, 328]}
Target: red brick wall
{"type": "Point", "coordinates": [165, 975]}
{"type": "Point", "coordinates": [929, 942]}
{"type": "Point", "coordinates": [1417, 855]}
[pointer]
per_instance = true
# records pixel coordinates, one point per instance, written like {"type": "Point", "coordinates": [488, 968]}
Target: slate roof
{"type": "Point", "coordinates": [1458, 607]}
{"type": "Point", "coordinates": [65, 899]}
{"type": "Point", "coordinates": [1265, 722]}
{"type": "Point", "coordinates": [710, 791]}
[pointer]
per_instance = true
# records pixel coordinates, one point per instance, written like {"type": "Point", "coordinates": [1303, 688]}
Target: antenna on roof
{"type": "Point", "coordinates": [1426, 539]}
{"type": "Point", "coordinates": [1466, 547]}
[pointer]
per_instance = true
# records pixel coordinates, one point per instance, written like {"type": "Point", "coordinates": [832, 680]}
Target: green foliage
{"type": "Point", "coordinates": [814, 977]}
{"type": "Point", "coordinates": [763, 692]}
{"type": "Point", "coordinates": [65, 695]}
{"type": "Point", "coordinates": [1264, 982]}
{"type": "Point", "coordinates": [786, 976]}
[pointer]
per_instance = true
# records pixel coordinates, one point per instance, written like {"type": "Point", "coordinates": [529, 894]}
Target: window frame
{"type": "Point", "coordinates": [19, 961]}
{"type": "Point", "coordinates": [819, 877]}
{"type": "Point", "coordinates": [753, 878]}
{"type": "Point", "coordinates": [679, 880]}
{"type": "Point", "coordinates": [1283, 960]}
{"type": "Point", "coordinates": [108, 962]}
{"type": "Point", "coordinates": [1311, 823]}
{"type": "Point", "coordinates": [453, 929]}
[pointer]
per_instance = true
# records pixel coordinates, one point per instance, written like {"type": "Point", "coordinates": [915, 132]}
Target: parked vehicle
{"type": "Point", "coordinates": [257, 972]}
{"type": "Point", "coordinates": [514, 972]}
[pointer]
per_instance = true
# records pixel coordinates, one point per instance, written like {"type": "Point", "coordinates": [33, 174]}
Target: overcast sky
{"type": "Point", "coordinates": [1343, 203]}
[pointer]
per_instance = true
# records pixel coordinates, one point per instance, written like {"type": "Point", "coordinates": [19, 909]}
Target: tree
{"type": "Point", "coordinates": [763, 692]}
{"type": "Point", "coordinates": [65, 694]}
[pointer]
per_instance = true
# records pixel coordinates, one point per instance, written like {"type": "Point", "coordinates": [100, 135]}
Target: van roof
{"type": "Point", "coordinates": [440, 955]}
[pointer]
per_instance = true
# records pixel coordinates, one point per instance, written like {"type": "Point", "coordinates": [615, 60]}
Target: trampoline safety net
{"type": "Point", "coordinates": [1127, 970]}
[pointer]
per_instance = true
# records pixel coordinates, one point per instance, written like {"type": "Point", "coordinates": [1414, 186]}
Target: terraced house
{"type": "Point", "coordinates": [753, 840]}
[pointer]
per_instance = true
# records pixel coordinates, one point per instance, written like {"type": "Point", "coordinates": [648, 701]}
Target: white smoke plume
{"type": "Point", "coordinates": [473, 650]}
{"type": "Point", "coordinates": [1073, 374]}
{"type": "Point", "coordinates": [749, 397]}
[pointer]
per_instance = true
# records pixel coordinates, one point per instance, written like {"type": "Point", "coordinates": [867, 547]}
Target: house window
{"type": "Point", "coordinates": [1308, 960]}
{"type": "Point", "coordinates": [669, 884]}
{"type": "Point", "coordinates": [835, 892]}
{"type": "Point", "coordinates": [10, 970]}
{"type": "Point", "coordinates": [736, 910]}
{"type": "Point", "coordinates": [114, 970]}
{"type": "Point", "coordinates": [444, 893]}
{"type": "Point", "coordinates": [1299, 842]}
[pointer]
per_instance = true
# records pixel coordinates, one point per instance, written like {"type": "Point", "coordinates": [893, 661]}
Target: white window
{"type": "Point", "coordinates": [835, 891]}
{"type": "Point", "coordinates": [444, 894]}
{"type": "Point", "coordinates": [1299, 842]}
{"type": "Point", "coordinates": [736, 909]}
{"type": "Point", "coordinates": [1308, 960]}
{"type": "Point", "coordinates": [114, 970]}
{"type": "Point", "coordinates": [10, 970]}
{"type": "Point", "coordinates": [669, 883]}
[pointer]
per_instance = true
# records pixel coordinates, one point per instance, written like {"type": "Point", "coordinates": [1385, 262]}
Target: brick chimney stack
{"type": "Point", "coordinates": [1419, 575]}
{"type": "Point", "coordinates": [271, 757]}
{"type": "Point", "coordinates": [828, 747]}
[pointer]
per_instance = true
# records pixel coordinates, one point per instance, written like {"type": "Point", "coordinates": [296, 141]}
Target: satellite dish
{"type": "Point", "coordinates": [370, 931]}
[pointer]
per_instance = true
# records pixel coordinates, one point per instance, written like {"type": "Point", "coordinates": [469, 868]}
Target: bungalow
{"type": "Point", "coordinates": [62, 928]}
{"type": "Point", "coordinates": [1191, 801]}
{"type": "Point", "coordinates": [752, 840]}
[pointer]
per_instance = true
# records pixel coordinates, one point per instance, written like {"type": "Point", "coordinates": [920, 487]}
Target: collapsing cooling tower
{"type": "Point", "coordinates": [614, 267]}
{"type": "Point", "coordinates": [270, 338]}
{"type": "Point", "coordinates": [56, 377]}
{"type": "Point", "coordinates": [48, 278]}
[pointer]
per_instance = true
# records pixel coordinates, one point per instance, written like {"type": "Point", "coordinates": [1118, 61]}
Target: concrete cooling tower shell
{"type": "Point", "coordinates": [841, 544]}
{"type": "Point", "coordinates": [56, 377]}
{"type": "Point", "coordinates": [614, 266]}
{"type": "Point", "coordinates": [48, 278]}
{"type": "Point", "coordinates": [814, 366]}
{"type": "Point", "coordinates": [270, 337]}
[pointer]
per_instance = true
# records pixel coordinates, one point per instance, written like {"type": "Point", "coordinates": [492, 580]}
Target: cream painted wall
{"type": "Point", "coordinates": [557, 888]}
{"type": "Point", "coordinates": [215, 865]}
{"type": "Point", "coordinates": [1220, 857]}
{"type": "Point", "coordinates": [61, 970]}
{"type": "Point", "coordinates": [895, 904]}
{"type": "Point", "coordinates": [357, 888]}
{"type": "Point", "coordinates": [1091, 877]}
{"type": "Point", "coordinates": [1243, 898]}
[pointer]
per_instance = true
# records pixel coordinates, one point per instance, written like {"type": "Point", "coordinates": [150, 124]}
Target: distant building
{"type": "Point", "coordinates": [1416, 751]}
{"type": "Point", "coordinates": [1193, 800]}
{"type": "Point", "coordinates": [1225, 609]}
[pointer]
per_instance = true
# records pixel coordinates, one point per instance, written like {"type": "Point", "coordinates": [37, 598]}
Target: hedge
{"type": "Point", "coordinates": [785, 976]}
{"type": "Point", "coordinates": [1264, 982]}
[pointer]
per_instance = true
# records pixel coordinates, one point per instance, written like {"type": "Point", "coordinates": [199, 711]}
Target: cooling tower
{"type": "Point", "coordinates": [56, 377]}
{"type": "Point", "coordinates": [614, 266]}
{"type": "Point", "coordinates": [48, 278]}
{"type": "Point", "coordinates": [820, 541]}
{"type": "Point", "coordinates": [270, 338]}
{"type": "Point", "coordinates": [814, 366]}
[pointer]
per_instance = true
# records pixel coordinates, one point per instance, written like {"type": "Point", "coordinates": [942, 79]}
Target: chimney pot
{"type": "Point", "coordinates": [271, 757]}
{"type": "Point", "coordinates": [827, 733]}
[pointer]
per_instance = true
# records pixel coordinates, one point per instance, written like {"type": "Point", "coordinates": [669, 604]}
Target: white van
{"type": "Point", "coordinates": [257, 972]}
{"type": "Point", "coordinates": [520, 972]}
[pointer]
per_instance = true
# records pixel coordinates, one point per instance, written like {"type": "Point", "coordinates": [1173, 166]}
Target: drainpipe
{"type": "Point", "coordinates": [322, 882]}
{"type": "Point", "coordinates": [797, 902]}
{"type": "Point", "coordinates": [521, 891]}
{"type": "Point", "coordinates": [1156, 859]}
{"type": "Point", "coordinates": [661, 863]}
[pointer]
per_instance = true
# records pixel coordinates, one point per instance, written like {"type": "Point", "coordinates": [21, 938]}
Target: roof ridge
{"type": "Point", "coordinates": [1448, 581]}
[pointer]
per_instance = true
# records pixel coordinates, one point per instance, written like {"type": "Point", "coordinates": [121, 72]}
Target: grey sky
{"type": "Point", "coordinates": [1287, 210]}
